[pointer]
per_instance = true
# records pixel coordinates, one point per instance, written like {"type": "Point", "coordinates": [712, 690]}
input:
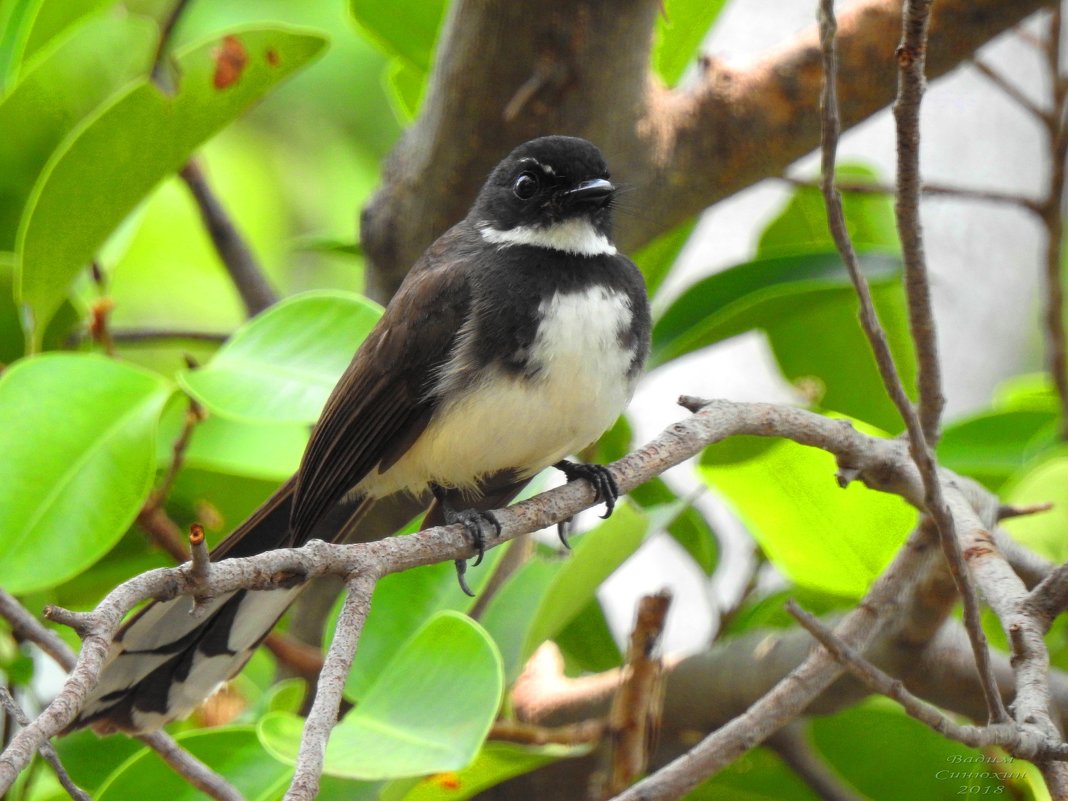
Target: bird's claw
{"type": "Point", "coordinates": [600, 477]}
{"type": "Point", "coordinates": [475, 522]}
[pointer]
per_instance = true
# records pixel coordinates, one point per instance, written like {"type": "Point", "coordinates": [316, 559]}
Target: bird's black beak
{"type": "Point", "coordinates": [597, 190]}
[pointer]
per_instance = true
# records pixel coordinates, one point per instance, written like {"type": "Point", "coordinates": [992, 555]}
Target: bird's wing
{"type": "Point", "coordinates": [383, 401]}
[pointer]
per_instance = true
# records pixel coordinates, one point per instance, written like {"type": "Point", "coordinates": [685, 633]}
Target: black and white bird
{"type": "Point", "coordinates": [516, 340]}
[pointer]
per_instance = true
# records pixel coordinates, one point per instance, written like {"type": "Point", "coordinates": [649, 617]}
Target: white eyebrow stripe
{"type": "Point", "coordinates": [576, 236]}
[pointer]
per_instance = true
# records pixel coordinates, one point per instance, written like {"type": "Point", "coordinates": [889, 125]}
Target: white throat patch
{"type": "Point", "coordinates": [576, 236]}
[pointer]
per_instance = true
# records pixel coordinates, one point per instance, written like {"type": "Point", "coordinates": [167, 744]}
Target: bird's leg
{"type": "Point", "coordinates": [604, 487]}
{"type": "Point", "coordinates": [475, 522]}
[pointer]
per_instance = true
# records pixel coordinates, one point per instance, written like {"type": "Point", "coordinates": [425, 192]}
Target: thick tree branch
{"type": "Point", "coordinates": [582, 68]}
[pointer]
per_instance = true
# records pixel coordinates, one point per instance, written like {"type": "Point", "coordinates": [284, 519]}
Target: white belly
{"type": "Point", "coordinates": [507, 421]}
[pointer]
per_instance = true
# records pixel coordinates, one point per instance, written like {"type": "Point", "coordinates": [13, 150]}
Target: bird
{"type": "Point", "coordinates": [515, 341]}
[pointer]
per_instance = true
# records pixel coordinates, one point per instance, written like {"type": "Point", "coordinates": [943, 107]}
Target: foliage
{"type": "Point", "coordinates": [294, 144]}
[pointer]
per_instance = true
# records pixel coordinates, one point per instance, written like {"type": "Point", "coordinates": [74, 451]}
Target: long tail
{"type": "Point", "coordinates": [164, 662]}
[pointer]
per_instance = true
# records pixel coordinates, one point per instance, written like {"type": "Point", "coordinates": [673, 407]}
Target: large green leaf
{"type": "Point", "coordinates": [680, 29]}
{"type": "Point", "coordinates": [495, 763]}
{"type": "Point", "coordinates": [753, 295]}
{"type": "Point", "coordinates": [406, 30]}
{"type": "Point", "coordinates": [233, 751]}
{"type": "Point", "coordinates": [541, 598]}
{"type": "Point", "coordinates": [818, 534]}
{"type": "Point", "coordinates": [656, 259]}
{"type": "Point", "coordinates": [821, 347]}
{"type": "Point", "coordinates": [1043, 481]}
{"type": "Point", "coordinates": [79, 445]}
{"type": "Point", "coordinates": [143, 135]}
{"type": "Point", "coordinates": [54, 19]}
{"type": "Point", "coordinates": [58, 89]}
{"type": "Point", "coordinates": [401, 605]}
{"type": "Point", "coordinates": [993, 445]}
{"type": "Point", "coordinates": [801, 225]}
{"type": "Point", "coordinates": [16, 22]}
{"type": "Point", "coordinates": [281, 366]}
{"type": "Point", "coordinates": [428, 712]}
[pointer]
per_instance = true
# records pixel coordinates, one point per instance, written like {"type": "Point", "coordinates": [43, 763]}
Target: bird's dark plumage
{"type": "Point", "coordinates": [515, 341]}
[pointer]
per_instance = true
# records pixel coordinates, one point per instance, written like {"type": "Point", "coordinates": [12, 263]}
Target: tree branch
{"type": "Point", "coordinates": [679, 149]}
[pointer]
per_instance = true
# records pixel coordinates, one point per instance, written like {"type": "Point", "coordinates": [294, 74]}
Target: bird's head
{"type": "Point", "coordinates": [553, 192]}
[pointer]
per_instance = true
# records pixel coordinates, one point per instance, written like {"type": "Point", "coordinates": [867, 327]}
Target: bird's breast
{"type": "Point", "coordinates": [577, 378]}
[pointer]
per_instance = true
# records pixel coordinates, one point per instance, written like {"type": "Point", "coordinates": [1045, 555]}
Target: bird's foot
{"type": "Point", "coordinates": [604, 487]}
{"type": "Point", "coordinates": [477, 524]}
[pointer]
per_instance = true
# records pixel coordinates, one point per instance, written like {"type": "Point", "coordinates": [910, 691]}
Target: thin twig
{"type": "Point", "coordinates": [1053, 218]}
{"type": "Point", "coordinates": [881, 682]}
{"type": "Point", "coordinates": [635, 715]}
{"type": "Point", "coordinates": [46, 748]}
{"type": "Point", "coordinates": [911, 58]}
{"type": "Point", "coordinates": [245, 272]}
{"type": "Point", "coordinates": [1050, 597]}
{"type": "Point", "coordinates": [934, 502]}
{"type": "Point", "coordinates": [190, 768]}
{"type": "Point", "coordinates": [323, 715]}
{"type": "Point", "coordinates": [165, 35]}
{"type": "Point", "coordinates": [581, 733]}
{"type": "Point", "coordinates": [792, 747]}
{"type": "Point", "coordinates": [137, 336]}
{"type": "Point", "coordinates": [1009, 89]}
{"type": "Point", "coordinates": [931, 189]}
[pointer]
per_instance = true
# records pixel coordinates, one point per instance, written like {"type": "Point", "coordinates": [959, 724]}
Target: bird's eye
{"type": "Point", "coordinates": [525, 186]}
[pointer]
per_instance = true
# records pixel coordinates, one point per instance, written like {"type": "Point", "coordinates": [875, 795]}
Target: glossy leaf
{"type": "Point", "coordinates": [991, 446]}
{"type": "Point", "coordinates": [253, 450]}
{"type": "Point", "coordinates": [681, 26]}
{"type": "Point", "coordinates": [281, 366]}
{"type": "Point", "coordinates": [12, 337]}
{"type": "Point", "coordinates": [656, 259]}
{"type": "Point", "coordinates": [819, 535]}
{"type": "Point", "coordinates": [541, 598]}
{"type": "Point", "coordinates": [16, 22]}
{"type": "Point", "coordinates": [496, 762]}
{"type": "Point", "coordinates": [1043, 481]}
{"type": "Point", "coordinates": [59, 89]}
{"type": "Point", "coordinates": [428, 712]}
{"type": "Point", "coordinates": [56, 19]}
{"type": "Point", "coordinates": [754, 295]}
{"type": "Point", "coordinates": [79, 444]}
{"type": "Point", "coordinates": [232, 751]}
{"type": "Point", "coordinates": [142, 135]}
{"type": "Point", "coordinates": [821, 348]}
{"type": "Point", "coordinates": [400, 606]}
{"type": "Point", "coordinates": [406, 29]}
{"type": "Point", "coordinates": [801, 225]}
{"type": "Point", "coordinates": [587, 642]}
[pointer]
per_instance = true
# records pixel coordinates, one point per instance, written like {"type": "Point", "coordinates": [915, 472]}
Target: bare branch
{"type": "Point", "coordinates": [245, 272]}
{"type": "Point", "coordinates": [911, 59]}
{"type": "Point", "coordinates": [929, 189]}
{"type": "Point", "coordinates": [635, 714]}
{"type": "Point", "coordinates": [46, 749]}
{"type": "Point", "coordinates": [934, 502]}
{"type": "Point", "coordinates": [587, 731]}
{"type": "Point", "coordinates": [190, 768]}
{"type": "Point", "coordinates": [999, 80]}
{"type": "Point", "coordinates": [323, 715]}
{"type": "Point", "coordinates": [880, 682]}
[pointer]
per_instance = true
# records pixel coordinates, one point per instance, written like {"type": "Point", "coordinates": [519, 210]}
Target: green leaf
{"type": "Point", "coordinates": [58, 89]}
{"type": "Point", "coordinates": [253, 450]}
{"type": "Point", "coordinates": [400, 606]}
{"type": "Point", "coordinates": [16, 22]}
{"type": "Point", "coordinates": [818, 534]}
{"type": "Point", "coordinates": [405, 87]}
{"type": "Point", "coordinates": [405, 29]}
{"type": "Point", "coordinates": [232, 751]}
{"type": "Point", "coordinates": [79, 444]}
{"type": "Point", "coordinates": [758, 775]}
{"type": "Point", "coordinates": [12, 337]}
{"type": "Point", "coordinates": [281, 366]}
{"type": "Point", "coordinates": [753, 295]}
{"type": "Point", "coordinates": [541, 598]}
{"type": "Point", "coordinates": [1044, 481]}
{"type": "Point", "coordinates": [680, 28]}
{"type": "Point", "coordinates": [690, 529]}
{"type": "Point", "coordinates": [656, 259]}
{"type": "Point", "coordinates": [993, 445]}
{"type": "Point", "coordinates": [875, 740]}
{"type": "Point", "coordinates": [821, 347]}
{"type": "Point", "coordinates": [142, 135]}
{"type": "Point", "coordinates": [428, 712]}
{"type": "Point", "coordinates": [587, 642]}
{"type": "Point", "coordinates": [496, 762]}
{"type": "Point", "coordinates": [802, 226]}
{"type": "Point", "coordinates": [90, 758]}
{"type": "Point", "coordinates": [54, 19]}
